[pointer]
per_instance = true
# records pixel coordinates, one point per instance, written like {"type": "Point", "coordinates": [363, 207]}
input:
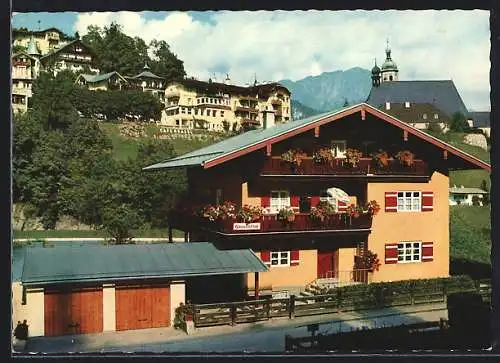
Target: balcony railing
{"type": "Point", "coordinates": [366, 166]}
{"type": "Point", "coordinates": [270, 224]}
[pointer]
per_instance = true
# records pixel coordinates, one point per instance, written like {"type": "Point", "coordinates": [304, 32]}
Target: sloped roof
{"type": "Point", "coordinates": [146, 74]}
{"type": "Point", "coordinates": [24, 54]}
{"type": "Point", "coordinates": [414, 114]}
{"type": "Point", "coordinates": [101, 263]}
{"type": "Point", "coordinates": [464, 190]}
{"type": "Point", "coordinates": [442, 94]}
{"type": "Point", "coordinates": [55, 51]}
{"type": "Point", "coordinates": [258, 139]}
{"type": "Point", "coordinates": [214, 87]}
{"type": "Point", "coordinates": [480, 119]}
{"type": "Point", "coordinates": [92, 78]}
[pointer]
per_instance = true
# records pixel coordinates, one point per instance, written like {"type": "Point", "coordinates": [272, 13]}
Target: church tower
{"type": "Point", "coordinates": [375, 75]}
{"type": "Point", "coordinates": [389, 71]}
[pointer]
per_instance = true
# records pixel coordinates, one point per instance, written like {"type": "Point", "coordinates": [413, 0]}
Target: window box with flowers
{"type": "Point", "coordinates": [381, 159]}
{"type": "Point", "coordinates": [286, 215]}
{"type": "Point", "coordinates": [294, 158]}
{"type": "Point", "coordinates": [249, 214]}
{"type": "Point", "coordinates": [352, 157]}
{"type": "Point", "coordinates": [321, 212]}
{"type": "Point", "coordinates": [322, 155]}
{"type": "Point", "coordinates": [405, 158]}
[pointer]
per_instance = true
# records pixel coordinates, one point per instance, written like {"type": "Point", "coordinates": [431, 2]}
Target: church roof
{"type": "Point", "coordinates": [32, 49]}
{"type": "Point", "coordinates": [415, 113]}
{"type": "Point", "coordinates": [441, 94]}
{"type": "Point", "coordinates": [147, 74]}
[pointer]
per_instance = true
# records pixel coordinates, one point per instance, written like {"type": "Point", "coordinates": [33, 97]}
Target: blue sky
{"type": "Point", "coordinates": [292, 45]}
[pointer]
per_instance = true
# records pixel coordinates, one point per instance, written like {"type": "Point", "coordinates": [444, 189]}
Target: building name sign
{"type": "Point", "coordinates": [246, 226]}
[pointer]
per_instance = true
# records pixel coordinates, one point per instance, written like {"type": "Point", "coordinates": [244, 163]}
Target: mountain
{"type": "Point", "coordinates": [300, 111]}
{"type": "Point", "coordinates": [329, 90]}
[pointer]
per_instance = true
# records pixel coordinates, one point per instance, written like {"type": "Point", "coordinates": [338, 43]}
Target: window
{"type": "Point", "coordinates": [279, 200]}
{"type": "Point", "coordinates": [338, 148]}
{"type": "Point", "coordinates": [183, 110]}
{"type": "Point", "coordinates": [409, 202]}
{"type": "Point", "coordinates": [409, 252]}
{"type": "Point", "coordinates": [222, 114]}
{"type": "Point", "coordinates": [189, 111]}
{"type": "Point", "coordinates": [436, 116]}
{"type": "Point", "coordinates": [424, 116]}
{"type": "Point", "coordinates": [407, 104]}
{"type": "Point", "coordinates": [195, 111]}
{"type": "Point", "coordinates": [280, 258]}
{"type": "Point", "coordinates": [177, 122]}
{"type": "Point", "coordinates": [213, 113]}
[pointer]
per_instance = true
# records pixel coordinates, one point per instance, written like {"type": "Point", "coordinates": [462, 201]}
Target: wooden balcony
{"type": "Point", "coordinates": [269, 224]}
{"type": "Point", "coordinates": [274, 166]}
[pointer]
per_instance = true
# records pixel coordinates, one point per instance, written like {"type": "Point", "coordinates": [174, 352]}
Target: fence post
{"type": "Point", "coordinates": [195, 315]}
{"type": "Point", "coordinates": [412, 295]}
{"type": "Point", "coordinates": [268, 307]}
{"type": "Point", "coordinates": [292, 307]}
{"type": "Point", "coordinates": [233, 314]}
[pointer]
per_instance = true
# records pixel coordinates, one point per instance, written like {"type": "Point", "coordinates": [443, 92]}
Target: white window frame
{"type": "Point", "coordinates": [278, 256]}
{"type": "Point", "coordinates": [410, 248]}
{"type": "Point", "coordinates": [279, 201]}
{"type": "Point", "coordinates": [336, 150]}
{"type": "Point", "coordinates": [413, 201]}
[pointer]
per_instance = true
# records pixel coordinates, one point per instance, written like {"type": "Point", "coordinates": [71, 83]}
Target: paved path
{"type": "Point", "coordinates": [267, 336]}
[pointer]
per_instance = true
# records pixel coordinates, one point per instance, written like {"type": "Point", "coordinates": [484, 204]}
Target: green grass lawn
{"type": "Point", "coordinates": [151, 233]}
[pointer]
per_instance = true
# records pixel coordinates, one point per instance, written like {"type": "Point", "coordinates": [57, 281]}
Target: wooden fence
{"type": "Point", "coordinates": [264, 309]}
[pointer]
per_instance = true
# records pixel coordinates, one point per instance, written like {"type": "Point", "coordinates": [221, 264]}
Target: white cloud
{"type": "Point", "coordinates": [275, 45]}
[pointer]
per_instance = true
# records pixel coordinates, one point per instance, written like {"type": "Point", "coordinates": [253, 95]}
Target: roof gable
{"type": "Point", "coordinates": [91, 78]}
{"type": "Point", "coordinates": [65, 46]}
{"type": "Point", "coordinates": [245, 143]}
{"type": "Point", "coordinates": [442, 94]}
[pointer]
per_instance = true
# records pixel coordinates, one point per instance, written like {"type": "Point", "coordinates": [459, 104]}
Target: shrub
{"type": "Point", "coordinates": [294, 156]}
{"type": "Point", "coordinates": [249, 214]}
{"type": "Point", "coordinates": [322, 155]}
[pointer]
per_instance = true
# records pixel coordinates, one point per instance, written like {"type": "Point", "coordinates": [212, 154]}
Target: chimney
{"type": "Point", "coordinates": [407, 104]}
{"type": "Point", "coordinates": [387, 105]}
{"type": "Point", "coordinates": [268, 117]}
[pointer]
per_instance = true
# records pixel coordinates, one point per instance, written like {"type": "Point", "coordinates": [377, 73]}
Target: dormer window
{"type": "Point", "coordinates": [78, 49]}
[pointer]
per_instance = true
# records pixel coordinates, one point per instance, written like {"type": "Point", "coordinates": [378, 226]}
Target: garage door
{"type": "Point", "coordinates": [142, 307]}
{"type": "Point", "coordinates": [73, 312]}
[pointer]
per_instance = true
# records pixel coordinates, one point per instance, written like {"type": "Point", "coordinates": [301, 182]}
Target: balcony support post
{"type": "Point", "coordinates": [257, 292]}
{"type": "Point", "coordinates": [445, 154]}
{"type": "Point", "coordinates": [405, 135]}
{"type": "Point", "coordinates": [170, 239]}
{"type": "Point", "coordinates": [316, 132]}
{"type": "Point", "coordinates": [363, 114]}
{"type": "Point", "coordinates": [268, 149]}
{"type": "Point", "coordinates": [186, 236]}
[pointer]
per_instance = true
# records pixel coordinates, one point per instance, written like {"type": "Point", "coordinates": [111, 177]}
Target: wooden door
{"type": "Point", "coordinates": [73, 312]}
{"type": "Point", "coordinates": [142, 307]}
{"type": "Point", "coordinates": [327, 263]}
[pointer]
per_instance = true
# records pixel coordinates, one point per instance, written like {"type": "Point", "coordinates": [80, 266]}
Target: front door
{"type": "Point", "coordinates": [327, 263]}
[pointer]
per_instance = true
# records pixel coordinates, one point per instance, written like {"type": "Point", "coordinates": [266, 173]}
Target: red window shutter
{"type": "Point", "coordinates": [427, 201]}
{"type": "Point", "coordinates": [391, 201]}
{"type": "Point", "coordinates": [294, 201]}
{"type": "Point", "coordinates": [314, 201]}
{"type": "Point", "coordinates": [342, 206]}
{"type": "Point", "coordinates": [427, 251]}
{"type": "Point", "coordinates": [265, 256]}
{"type": "Point", "coordinates": [265, 201]}
{"type": "Point", "coordinates": [294, 257]}
{"type": "Point", "coordinates": [391, 253]}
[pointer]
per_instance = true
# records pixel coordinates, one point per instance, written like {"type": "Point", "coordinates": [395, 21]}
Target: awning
{"type": "Point", "coordinates": [110, 263]}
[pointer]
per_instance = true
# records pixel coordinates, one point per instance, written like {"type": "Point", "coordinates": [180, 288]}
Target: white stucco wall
{"type": "Point", "coordinates": [32, 311]}
{"type": "Point", "coordinates": [177, 295]}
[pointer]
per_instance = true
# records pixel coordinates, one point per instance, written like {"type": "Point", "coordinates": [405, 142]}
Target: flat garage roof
{"type": "Point", "coordinates": [103, 263]}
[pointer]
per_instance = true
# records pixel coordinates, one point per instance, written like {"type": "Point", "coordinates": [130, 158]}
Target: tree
{"type": "Point", "coordinates": [119, 221]}
{"type": "Point", "coordinates": [459, 123]}
{"type": "Point", "coordinates": [435, 128]}
{"type": "Point", "coordinates": [166, 64]}
{"type": "Point", "coordinates": [484, 186]}
{"type": "Point", "coordinates": [18, 48]}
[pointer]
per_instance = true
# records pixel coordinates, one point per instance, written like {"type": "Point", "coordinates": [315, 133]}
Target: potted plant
{"type": "Point", "coordinates": [210, 212]}
{"type": "Point", "coordinates": [249, 214]}
{"type": "Point", "coordinates": [286, 215]}
{"type": "Point", "coordinates": [405, 157]}
{"type": "Point", "coordinates": [372, 207]}
{"type": "Point", "coordinates": [381, 159]}
{"type": "Point", "coordinates": [352, 157]}
{"type": "Point", "coordinates": [322, 155]}
{"type": "Point", "coordinates": [321, 212]}
{"type": "Point", "coordinates": [369, 261]}
{"type": "Point", "coordinates": [354, 211]}
{"type": "Point", "coordinates": [293, 157]}
{"type": "Point", "coordinates": [227, 210]}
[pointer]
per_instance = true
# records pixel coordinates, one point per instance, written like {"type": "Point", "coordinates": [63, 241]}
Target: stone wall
{"type": "Point", "coordinates": [476, 140]}
{"type": "Point", "coordinates": [20, 222]}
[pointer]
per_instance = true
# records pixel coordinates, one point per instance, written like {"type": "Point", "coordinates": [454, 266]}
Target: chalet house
{"type": "Point", "coordinates": [194, 104]}
{"type": "Point", "coordinates": [418, 115]}
{"type": "Point", "coordinates": [316, 199]}
{"type": "Point", "coordinates": [102, 82]}
{"type": "Point", "coordinates": [90, 289]}
{"type": "Point", "coordinates": [25, 69]}
{"type": "Point", "coordinates": [146, 81]}
{"type": "Point", "coordinates": [464, 196]}
{"type": "Point", "coordinates": [74, 56]}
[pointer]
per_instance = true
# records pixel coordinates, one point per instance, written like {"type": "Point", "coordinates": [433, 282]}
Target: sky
{"type": "Point", "coordinates": [276, 45]}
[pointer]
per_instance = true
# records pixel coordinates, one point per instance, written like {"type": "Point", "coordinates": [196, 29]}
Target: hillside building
{"type": "Point", "coordinates": [46, 41]}
{"type": "Point", "coordinates": [194, 104]}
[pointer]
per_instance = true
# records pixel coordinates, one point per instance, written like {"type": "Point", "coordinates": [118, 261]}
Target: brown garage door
{"type": "Point", "coordinates": [142, 307]}
{"type": "Point", "coordinates": [73, 312]}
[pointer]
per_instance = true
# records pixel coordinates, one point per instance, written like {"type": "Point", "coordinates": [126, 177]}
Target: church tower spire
{"type": "Point", "coordinates": [389, 70]}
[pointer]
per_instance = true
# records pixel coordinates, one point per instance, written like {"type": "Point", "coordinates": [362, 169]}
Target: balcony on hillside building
{"type": "Point", "coordinates": [270, 224]}
{"type": "Point", "coordinates": [275, 166]}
